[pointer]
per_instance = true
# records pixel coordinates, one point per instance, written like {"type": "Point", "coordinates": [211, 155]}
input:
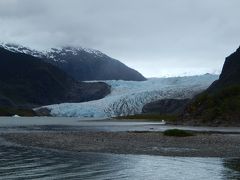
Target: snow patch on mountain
{"type": "Point", "coordinates": [21, 49]}
{"type": "Point", "coordinates": [52, 53]}
{"type": "Point", "coordinates": [129, 97]}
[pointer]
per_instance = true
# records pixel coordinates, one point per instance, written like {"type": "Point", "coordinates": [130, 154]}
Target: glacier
{"type": "Point", "coordinates": [129, 97]}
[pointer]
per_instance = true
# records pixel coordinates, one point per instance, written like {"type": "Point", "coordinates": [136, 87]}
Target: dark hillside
{"type": "Point", "coordinates": [220, 103]}
{"type": "Point", "coordinates": [26, 81]}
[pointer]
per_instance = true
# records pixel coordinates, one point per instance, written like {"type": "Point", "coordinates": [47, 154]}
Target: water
{"type": "Point", "coordinates": [33, 163]}
{"type": "Point", "coordinates": [26, 124]}
{"type": "Point", "coordinates": [18, 162]}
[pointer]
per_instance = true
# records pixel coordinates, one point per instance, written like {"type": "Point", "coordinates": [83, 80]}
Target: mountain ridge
{"type": "Point", "coordinates": [27, 81]}
{"type": "Point", "coordinates": [83, 64]}
{"type": "Point", "coordinates": [220, 103]}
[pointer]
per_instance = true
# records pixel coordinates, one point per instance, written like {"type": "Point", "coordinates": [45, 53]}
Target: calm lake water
{"type": "Point", "coordinates": [31, 163]}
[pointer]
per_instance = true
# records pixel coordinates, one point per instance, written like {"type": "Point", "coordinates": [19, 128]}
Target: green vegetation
{"type": "Point", "coordinates": [13, 111]}
{"type": "Point", "coordinates": [220, 105]}
{"type": "Point", "coordinates": [177, 133]}
{"type": "Point", "coordinates": [151, 117]}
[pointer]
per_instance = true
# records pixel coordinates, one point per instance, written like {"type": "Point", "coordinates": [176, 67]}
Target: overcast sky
{"type": "Point", "coordinates": [156, 37]}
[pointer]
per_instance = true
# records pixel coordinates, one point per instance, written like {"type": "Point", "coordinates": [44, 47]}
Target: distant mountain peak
{"type": "Point", "coordinates": [54, 53]}
{"type": "Point", "coordinates": [48, 53]}
{"type": "Point", "coordinates": [21, 49]}
{"type": "Point", "coordinates": [27, 81]}
{"type": "Point", "coordinates": [83, 64]}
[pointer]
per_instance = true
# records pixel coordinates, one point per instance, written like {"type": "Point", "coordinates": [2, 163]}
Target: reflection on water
{"type": "Point", "coordinates": [28, 163]}
{"type": "Point", "coordinates": [232, 169]}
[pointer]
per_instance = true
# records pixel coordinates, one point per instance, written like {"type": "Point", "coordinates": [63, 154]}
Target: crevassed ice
{"type": "Point", "coordinates": [129, 97]}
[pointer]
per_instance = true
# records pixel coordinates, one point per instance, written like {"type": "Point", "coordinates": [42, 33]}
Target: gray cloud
{"type": "Point", "coordinates": [154, 36]}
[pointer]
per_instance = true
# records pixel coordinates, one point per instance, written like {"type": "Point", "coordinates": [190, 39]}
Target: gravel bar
{"type": "Point", "coordinates": [152, 143]}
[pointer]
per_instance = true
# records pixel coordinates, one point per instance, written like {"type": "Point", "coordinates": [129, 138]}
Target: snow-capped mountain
{"type": "Point", "coordinates": [53, 53]}
{"type": "Point", "coordinates": [27, 82]}
{"type": "Point", "coordinates": [128, 97]}
{"type": "Point", "coordinates": [21, 49]}
{"type": "Point", "coordinates": [81, 63]}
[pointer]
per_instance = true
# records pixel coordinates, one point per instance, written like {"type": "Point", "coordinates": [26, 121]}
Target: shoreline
{"type": "Point", "coordinates": [142, 142]}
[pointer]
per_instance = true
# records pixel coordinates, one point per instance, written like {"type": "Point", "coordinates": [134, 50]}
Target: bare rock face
{"type": "Point", "coordinates": [166, 106]}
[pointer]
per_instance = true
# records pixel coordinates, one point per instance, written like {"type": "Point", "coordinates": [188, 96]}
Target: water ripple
{"type": "Point", "coordinates": [30, 163]}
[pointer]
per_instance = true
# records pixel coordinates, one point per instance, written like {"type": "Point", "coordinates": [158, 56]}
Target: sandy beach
{"type": "Point", "coordinates": [152, 143]}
